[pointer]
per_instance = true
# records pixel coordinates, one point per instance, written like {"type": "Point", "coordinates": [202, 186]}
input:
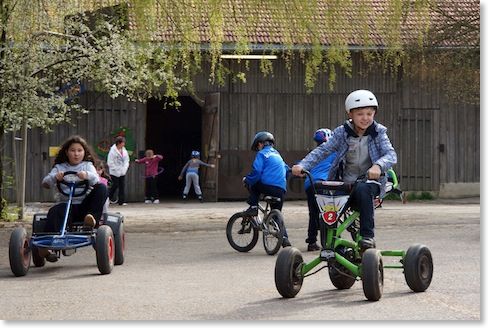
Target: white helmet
{"type": "Point", "coordinates": [360, 98]}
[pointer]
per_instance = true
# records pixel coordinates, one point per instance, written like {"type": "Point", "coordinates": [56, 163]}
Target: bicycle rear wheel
{"type": "Point", "coordinates": [241, 233]}
{"type": "Point", "coordinates": [273, 232]}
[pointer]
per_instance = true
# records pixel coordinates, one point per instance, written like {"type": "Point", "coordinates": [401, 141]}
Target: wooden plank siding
{"type": "Point", "coordinates": [436, 141]}
{"type": "Point", "coordinates": [106, 114]}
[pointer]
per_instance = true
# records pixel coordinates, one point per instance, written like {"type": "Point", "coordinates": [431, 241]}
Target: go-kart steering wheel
{"type": "Point", "coordinates": [75, 184]}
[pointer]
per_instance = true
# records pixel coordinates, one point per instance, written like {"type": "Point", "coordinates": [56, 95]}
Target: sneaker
{"type": "Point", "coordinates": [251, 211]}
{"type": "Point", "coordinates": [123, 204]}
{"type": "Point", "coordinates": [285, 243]}
{"type": "Point", "coordinates": [156, 201]}
{"type": "Point", "coordinates": [367, 242]}
{"type": "Point", "coordinates": [200, 198]}
{"type": "Point", "coordinates": [51, 257]}
{"type": "Point", "coordinates": [313, 247]}
{"type": "Point", "coordinates": [147, 201]}
{"type": "Point", "coordinates": [47, 254]}
{"type": "Point", "coordinates": [89, 221]}
{"type": "Point", "coordinates": [184, 197]}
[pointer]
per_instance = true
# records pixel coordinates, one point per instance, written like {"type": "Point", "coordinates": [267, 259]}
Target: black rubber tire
{"type": "Point", "coordinates": [105, 249]}
{"type": "Point", "coordinates": [37, 259]}
{"type": "Point", "coordinates": [418, 267]}
{"type": "Point", "coordinates": [273, 235]}
{"type": "Point", "coordinates": [339, 280]}
{"type": "Point", "coordinates": [119, 237]}
{"type": "Point", "coordinates": [288, 277]}
{"type": "Point", "coordinates": [249, 239]}
{"type": "Point", "coordinates": [19, 252]}
{"type": "Point", "coordinates": [372, 274]}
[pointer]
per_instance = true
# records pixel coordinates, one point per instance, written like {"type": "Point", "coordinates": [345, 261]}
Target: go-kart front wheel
{"type": "Point", "coordinates": [288, 272]}
{"type": "Point", "coordinates": [19, 252]}
{"type": "Point", "coordinates": [105, 249]}
{"type": "Point", "coordinates": [418, 267]}
{"type": "Point", "coordinates": [372, 274]}
{"type": "Point", "coordinates": [119, 237]}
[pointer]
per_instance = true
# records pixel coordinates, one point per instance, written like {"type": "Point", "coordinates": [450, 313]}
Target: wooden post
{"type": "Point", "coordinates": [23, 170]}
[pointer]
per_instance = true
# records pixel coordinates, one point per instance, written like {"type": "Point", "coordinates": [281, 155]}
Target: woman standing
{"type": "Point", "coordinates": [118, 164]}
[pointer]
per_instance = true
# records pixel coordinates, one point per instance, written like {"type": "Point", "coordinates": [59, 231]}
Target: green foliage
{"type": "Point", "coordinates": [424, 195]}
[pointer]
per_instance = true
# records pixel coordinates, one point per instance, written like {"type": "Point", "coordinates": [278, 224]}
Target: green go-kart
{"type": "Point", "coordinates": [345, 260]}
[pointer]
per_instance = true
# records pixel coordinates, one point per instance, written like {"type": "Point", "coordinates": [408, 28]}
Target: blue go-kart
{"type": "Point", "coordinates": [108, 239]}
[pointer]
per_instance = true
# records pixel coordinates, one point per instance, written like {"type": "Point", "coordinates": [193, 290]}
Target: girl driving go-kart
{"type": "Point", "coordinates": [75, 221]}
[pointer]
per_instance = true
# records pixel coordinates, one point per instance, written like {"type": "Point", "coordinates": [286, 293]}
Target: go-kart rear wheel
{"type": "Point", "coordinates": [418, 267]}
{"type": "Point", "coordinates": [19, 252]}
{"type": "Point", "coordinates": [241, 233]}
{"type": "Point", "coordinates": [288, 275]}
{"type": "Point", "coordinates": [105, 249]}
{"type": "Point", "coordinates": [119, 237]}
{"type": "Point", "coordinates": [37, 259]}
{"type": "Point", "coordinates": [273, 232]}
{"type": "Point", "coordinates": [372, 274]}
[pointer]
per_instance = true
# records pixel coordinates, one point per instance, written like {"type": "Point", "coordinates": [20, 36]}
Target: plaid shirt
{"type": "Point", "coordinates": [380, 151]}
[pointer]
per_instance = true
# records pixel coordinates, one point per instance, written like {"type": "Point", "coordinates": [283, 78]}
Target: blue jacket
{"type": "Point", "coordinates": [321, 170]}
{"type": "Point", "coordinates": [269, 168]}
{"type": "Point", "coordinates": [379, 147]}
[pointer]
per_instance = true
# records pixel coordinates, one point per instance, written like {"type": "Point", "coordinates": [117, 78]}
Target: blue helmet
{"type": "Point", "coordinates": [195, 154]}
{"type": "Point", "coordinates": [322, 135]}
{"type": "Point", "coordinates": [263, 136]}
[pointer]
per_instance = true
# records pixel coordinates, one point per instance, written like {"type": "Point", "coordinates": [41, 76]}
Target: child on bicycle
{"type": "Point", "coordinates": [319, 173]}
{"type": "Point", "coordinates": [190, 170]}
{"type": "Point", "coordinates": [363, 148]}
{"type": "Point", "coordinates": [268, 176]}
{"type": "Point", "coordinates": [151, 162]}
{"type": "Point", "coordinates": [74, 155]}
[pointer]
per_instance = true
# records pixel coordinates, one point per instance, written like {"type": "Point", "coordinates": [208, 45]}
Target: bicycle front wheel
{"type": "Point", "coordinates": [273, 232]}
{"type": "Point", "coordinates": [241, 233]}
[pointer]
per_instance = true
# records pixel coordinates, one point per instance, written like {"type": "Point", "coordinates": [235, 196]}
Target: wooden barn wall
{"type": "Point", "coordinates": [436, 141]}
{"type": "Point", "coordinates": [106, 114]}
{"type": "Point", "coordinates": [281, 105]}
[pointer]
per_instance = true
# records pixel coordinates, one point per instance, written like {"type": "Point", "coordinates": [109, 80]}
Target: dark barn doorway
{"type": "Point", "coordinates": [173, 133]}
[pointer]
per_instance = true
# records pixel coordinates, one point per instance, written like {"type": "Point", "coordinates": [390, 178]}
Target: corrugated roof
{"type": "Point", "coordinates": [264, 24]}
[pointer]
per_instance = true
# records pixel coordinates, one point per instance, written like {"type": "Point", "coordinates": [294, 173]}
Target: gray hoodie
{"type": "Point", "coordinates": [50, 179]}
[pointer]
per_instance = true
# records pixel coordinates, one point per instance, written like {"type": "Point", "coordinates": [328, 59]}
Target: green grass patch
{"type": "Point", "coordinates": [424, 195]}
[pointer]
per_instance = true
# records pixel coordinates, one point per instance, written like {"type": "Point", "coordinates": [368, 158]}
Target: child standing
{"type": "Point", "coordinates": [362, 147]}
{"type": "Point", "coordinates": [74, 155]}
{"type": "Point", "coordinates": [268, 176]}
{"type": "Point", "coordinates": [104, 179]}
{"type": "Point", "coordinates": [151, 162]}
{"type": "Point", "coordinates": [319, 173]}
{"type": "Point", "coordinates": [118, 164]}
{"type": "Point", "coordinates": [191, 170]}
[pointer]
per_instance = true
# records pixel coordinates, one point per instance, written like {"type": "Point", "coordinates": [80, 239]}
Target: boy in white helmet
{"type": "Point", "coordinates": [362, 147]}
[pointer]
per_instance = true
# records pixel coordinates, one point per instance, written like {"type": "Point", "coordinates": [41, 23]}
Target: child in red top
{"type": "Point", "coordinates": [151, 161]}
{"type": "Point", "coordinates": [104, 179]}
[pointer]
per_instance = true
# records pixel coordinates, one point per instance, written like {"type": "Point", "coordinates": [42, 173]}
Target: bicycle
{"type": "Point", "coordinates": [243, 230]}
{"type": "Point", "coordinates": [345, 260]}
